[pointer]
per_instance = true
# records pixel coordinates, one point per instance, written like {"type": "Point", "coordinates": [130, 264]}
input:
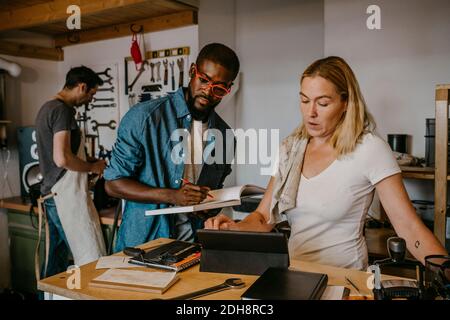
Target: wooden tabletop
{"type": "Point", "coordinates": [192, 280]}
{"type": "Point", "coordinates": [18, 204]}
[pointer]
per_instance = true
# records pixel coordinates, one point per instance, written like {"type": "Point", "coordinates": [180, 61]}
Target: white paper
{"type": "Point", "coordinates": [333, 293]}
{"type": "Point", "coordinates": [114, 263]}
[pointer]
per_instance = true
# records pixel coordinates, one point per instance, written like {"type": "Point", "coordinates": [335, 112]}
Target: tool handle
{"type": "Point", "coordinates": [201, 293]}
{"type": "Point", "coordinates": [181, 80]}
{"type": "Point", "coordinates": [166, 77]}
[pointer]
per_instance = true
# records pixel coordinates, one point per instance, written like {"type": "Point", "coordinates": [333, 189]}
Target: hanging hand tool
{"type": "Point", "coordinates": [106, 89]}
{"type": "Point", "coordinates": [103, 100]}
{"type": "Point", "coordinates": [105, 73]}
{"type": "Point", "coordinates": [138, 76]}
{"type": "Point", "coordinates": [152, 66]}
{"type": "Point", "coordinates": [172, 73]}
{"type": "Point", "coordinates": [109, 81]}
{"type": "Point", "coordinates": [99, 106]}
{"type": "Point", "coordinates": [158, 71]}
{"type": "Point", "coordinates": [166, 72]}
{"type": "Point", "coordinates": [95, 125]}
{"type": "Point", "coordinates": [180, 63]}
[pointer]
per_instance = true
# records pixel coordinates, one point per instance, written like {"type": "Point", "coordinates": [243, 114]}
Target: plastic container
{"type": "Point", "coordinates": [425, 209]}
{"type": "Point", "coordinates": [398, 142]}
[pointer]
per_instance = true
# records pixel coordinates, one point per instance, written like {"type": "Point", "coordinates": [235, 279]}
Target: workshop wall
{"type": "Point", "coordinates": [398, 66]}
{"type": "Point", "coordinates": [276, 41]}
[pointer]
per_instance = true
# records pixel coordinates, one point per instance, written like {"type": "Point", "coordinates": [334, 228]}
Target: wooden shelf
{"type": "Point", "coordinates": [419, 173]}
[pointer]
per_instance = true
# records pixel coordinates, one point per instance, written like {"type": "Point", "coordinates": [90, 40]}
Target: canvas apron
{"type": "Point", "coordinates": [78, 215]}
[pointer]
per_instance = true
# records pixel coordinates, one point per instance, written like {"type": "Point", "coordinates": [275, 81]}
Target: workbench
{"type": "Point", "coordinates": [191, 280]}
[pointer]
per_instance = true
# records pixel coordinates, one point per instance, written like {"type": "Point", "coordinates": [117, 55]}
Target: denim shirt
{"type": "Point", "coordinates": [143, 152]}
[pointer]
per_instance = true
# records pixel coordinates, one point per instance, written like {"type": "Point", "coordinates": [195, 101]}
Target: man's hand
{"type": "Point", "coordinates": [98, 167]}
{"type": "Point", "coordinates": [190, 194]}
{"type": "Point", "coordinates": [221, 222]}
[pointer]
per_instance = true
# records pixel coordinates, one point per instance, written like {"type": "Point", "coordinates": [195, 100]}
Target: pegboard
{"type": "Point", "coordinates": [100, 119]}
{"type": "Point", "coordinates": [162, 72]}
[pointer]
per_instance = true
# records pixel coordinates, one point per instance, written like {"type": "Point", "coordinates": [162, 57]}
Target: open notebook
{"type": "Point", "coordinates": [222, 198]}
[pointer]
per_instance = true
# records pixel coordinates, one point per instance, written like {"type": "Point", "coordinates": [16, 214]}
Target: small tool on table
{"type": "Point", "coordinates": [353, 285]}
{"type": "Point", "coordinates": [233, 283]}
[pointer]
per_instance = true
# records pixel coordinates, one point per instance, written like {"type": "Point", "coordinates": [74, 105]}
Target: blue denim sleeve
{"type": "Point", "coordinates": [127, 154]}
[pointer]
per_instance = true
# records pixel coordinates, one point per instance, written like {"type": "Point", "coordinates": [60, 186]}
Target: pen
{"type": "Point", "coordinates": [353, 285]}
{"type": "Point", "coordinates": [188, 182]}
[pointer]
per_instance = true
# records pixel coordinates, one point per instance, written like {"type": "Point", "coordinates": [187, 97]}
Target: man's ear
{"type": "Point", "coordinates": [83, 87]}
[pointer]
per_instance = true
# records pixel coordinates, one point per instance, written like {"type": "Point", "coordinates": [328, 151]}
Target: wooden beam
{"type": "Point", "coordinates": [56, 11]}
{"type": "Point", "coordinates": [171, 21]}
{"type": "Point", "coordinates": [440, 193]}
{"type": "Point", "coordinates": [30, 51]}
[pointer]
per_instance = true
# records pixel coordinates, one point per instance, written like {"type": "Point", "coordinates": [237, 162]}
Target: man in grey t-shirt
{"type": "Point", "coordinates": [58, 141]}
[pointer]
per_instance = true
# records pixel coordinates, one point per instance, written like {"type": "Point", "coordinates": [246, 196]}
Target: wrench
{"type": "Point", "coordinates": [138, 76]}
{"type": "Point", "coordinates": [158, 71]}
{"type": "Point", "coordinates": [106, 100]}
{"type": "Point", "coordinates": [227, 285]}
{"type": "Point", "coordinates": [106, 89]}
{"type": "Point", "coordinates": [180, 63]}
{"type": "Point", "coordinates": [152, 66]}
{"type": "Point", "coordinates": [172, 66]}
{"type": "Point", "coordinates": [112, 125]}
{"type": "Point", "coordinates": [166, 72]}
{"type": "Point", "coordinates": [109, 81]}
{"type": "Point", "coordinates": [98, 106]}
{"type": "Point", "coordinates": [105, 73]}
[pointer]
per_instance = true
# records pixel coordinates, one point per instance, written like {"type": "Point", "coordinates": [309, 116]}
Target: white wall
{"type": "Point", "coordinates": [217, 23]}
{"type": "Point", "coordinates": [398, 66]}
{"type": "Point", "coordinates": [276, 41]}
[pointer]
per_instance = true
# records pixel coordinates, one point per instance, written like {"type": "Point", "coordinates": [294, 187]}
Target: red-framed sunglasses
{"type": "Point", "coordinates": [218, 90]}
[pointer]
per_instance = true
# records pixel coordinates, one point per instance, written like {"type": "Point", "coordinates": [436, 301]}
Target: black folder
{"type": "Point", "coordinates": [282, 284]}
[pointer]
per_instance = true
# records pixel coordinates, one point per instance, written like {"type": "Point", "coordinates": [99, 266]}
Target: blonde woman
{"type": "Point", "coordinates": [328, 172]}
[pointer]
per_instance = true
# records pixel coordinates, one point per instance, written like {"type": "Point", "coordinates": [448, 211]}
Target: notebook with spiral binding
{"type": "Point", "coordinates": [174, 256]}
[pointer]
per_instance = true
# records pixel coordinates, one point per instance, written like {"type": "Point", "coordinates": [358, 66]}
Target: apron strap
{"type": "Point", "coordinates": [42, 218]}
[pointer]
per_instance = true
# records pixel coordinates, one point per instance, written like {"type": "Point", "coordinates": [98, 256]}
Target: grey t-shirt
{"type": "Point", "coordinates": [54, 116]}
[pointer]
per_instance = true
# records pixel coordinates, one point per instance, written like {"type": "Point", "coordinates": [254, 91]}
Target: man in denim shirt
{"type": "Point", "coordinates": [143, 169]}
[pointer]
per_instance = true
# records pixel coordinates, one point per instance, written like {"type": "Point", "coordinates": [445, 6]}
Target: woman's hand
{"type": "Point", "coordinates": [221, 222]}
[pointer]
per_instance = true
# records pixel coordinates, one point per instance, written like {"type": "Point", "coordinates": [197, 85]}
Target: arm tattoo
{"type": "Point", "coordinates": [417, 244]}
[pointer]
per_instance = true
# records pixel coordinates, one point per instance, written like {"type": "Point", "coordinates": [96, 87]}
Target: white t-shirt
{"type": "Point", "coordinates": [192, 170]}
{"type": "Point", "coordinates": [194, 154]}
{"type": "Point", "coordinates": [327, 224]}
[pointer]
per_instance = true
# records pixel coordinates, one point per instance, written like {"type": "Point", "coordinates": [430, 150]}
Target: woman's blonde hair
{"type": "Point", "coordinates": [356, 121]}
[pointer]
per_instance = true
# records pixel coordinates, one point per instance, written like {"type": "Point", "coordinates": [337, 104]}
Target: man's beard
{"type": "Point", "coordinates": [199, 115]}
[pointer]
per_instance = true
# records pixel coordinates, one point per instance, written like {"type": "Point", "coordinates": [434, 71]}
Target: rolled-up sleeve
{"type": "Point", "coordinates": [127, 154]}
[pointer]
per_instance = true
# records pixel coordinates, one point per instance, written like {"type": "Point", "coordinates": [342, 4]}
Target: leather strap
{"type": "Point", "coordinates": [42, 215]}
